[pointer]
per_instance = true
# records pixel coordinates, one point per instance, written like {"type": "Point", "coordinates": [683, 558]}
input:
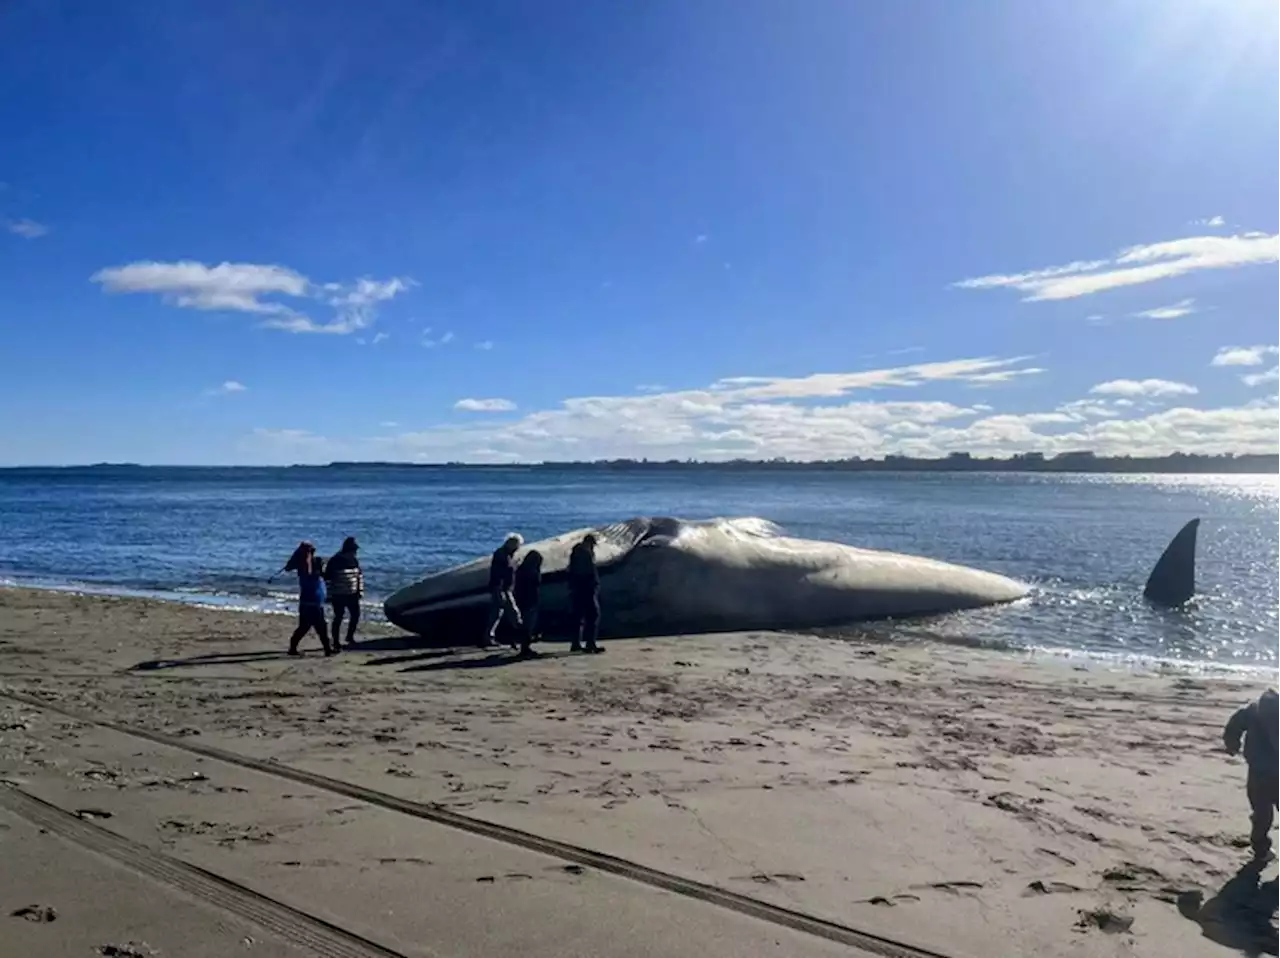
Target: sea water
{"type": "Point", "coordinates": [1085, 542]}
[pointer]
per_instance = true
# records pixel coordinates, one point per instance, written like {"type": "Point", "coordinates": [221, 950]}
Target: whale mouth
{"type": "Point", "coordinates": [467, 585]}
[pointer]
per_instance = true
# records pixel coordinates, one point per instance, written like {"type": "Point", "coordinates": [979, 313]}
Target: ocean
{"type": "Point", "coordinates": [1085, 542]}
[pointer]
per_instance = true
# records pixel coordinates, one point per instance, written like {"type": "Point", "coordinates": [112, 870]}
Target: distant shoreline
{"type": "Point", "coordinates": [1072, 462]}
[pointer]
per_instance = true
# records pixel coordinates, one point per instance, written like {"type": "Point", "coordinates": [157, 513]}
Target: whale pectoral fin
{"type": "Point", "coordinates": [1173, 580]}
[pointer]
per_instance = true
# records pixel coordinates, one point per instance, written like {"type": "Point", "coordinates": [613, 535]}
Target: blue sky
{"type": "Point", "coordinates": [288, 232]}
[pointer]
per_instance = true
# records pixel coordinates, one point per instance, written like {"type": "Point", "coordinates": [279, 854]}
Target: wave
{"type": "Point", "coordinates": [265, 600]}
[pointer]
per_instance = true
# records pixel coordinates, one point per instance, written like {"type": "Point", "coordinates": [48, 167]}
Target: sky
{"type": "Point", "coordinates": [520, 230]}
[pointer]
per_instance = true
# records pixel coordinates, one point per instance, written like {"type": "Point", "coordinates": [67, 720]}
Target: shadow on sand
{"type": "Point", "coordinates": [1240, 915]}
{"type": "Point", "coordinates": [494, 660]}
{"type": "Point", "coordinates": [223, 658]}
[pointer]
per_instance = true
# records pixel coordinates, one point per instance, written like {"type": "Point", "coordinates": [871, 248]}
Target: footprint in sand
{"type": "Point", "coordinates": [1039, 887]}
{"type": "Point", "coordinates": [1105, 920]}
{"type": "Point", "coordinates": [952, 887]}
{"type": "Point", "coordinates": [92, 814]}
{"type": "Point", "coordinates": [41, 914]}
{"type": "Point", "coordinates": [889, 901]}
{"type": "Point", "coordinates": [762, 878]}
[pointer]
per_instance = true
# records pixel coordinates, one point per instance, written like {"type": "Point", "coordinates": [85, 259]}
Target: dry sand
{"type": "Point", "coordinates": [969, 803]}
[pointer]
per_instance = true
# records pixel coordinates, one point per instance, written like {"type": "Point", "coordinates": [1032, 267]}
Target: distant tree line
{"type": "Point", "coordinates": [1082, 461]}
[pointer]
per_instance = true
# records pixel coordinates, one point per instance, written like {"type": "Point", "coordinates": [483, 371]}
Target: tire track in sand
{"type": "Point", "coordinates": [865, 941]}
{"type": "Point", "coordinates": [315, 935]}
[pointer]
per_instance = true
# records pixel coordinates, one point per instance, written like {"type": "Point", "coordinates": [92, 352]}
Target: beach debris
{"type": "Point", "coordinates": [92, 814]}
{"type": "Point", "coordinates": [1105, 920]}
{"type": "Point", "coordinates": [40, 914]}
{"type": "Point", "coordinates": [100, 775]}
{"type": "Point", "coordinates": [131, 949]}
{"type": "Point", "coordinates": [400, 771]}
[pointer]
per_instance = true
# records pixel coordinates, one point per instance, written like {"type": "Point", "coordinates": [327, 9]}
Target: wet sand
{"type": "Point", "coordinates": [967, 803]}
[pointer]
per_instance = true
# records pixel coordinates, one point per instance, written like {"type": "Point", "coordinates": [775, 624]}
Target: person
{"type": "Point", "coordinates": [527, 586]}
{"type": "Point", "coordinates": [345, 581]}
{"type": "Point", "coordinates": [502, 577]}
{"type": "Point", "coordinates": [1256, 725]}
{"type": "Point", "coordinates": [311, 595]}
{"type": "Point", "coordinates": [584, 595]}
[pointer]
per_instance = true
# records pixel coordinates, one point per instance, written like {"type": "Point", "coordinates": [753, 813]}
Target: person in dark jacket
{"type": "Point", "coordinates": [526, 595]}
{"type": "Point", "coordinates": [502, 578]}
{"type": "Point", "coordinates": [1256, 725]}
{"type": "Point", "coordinates": [584, 595]}
{"type": "Point", "coordinates": [345, 580]}
{"type": "Point", "coordinates": [311, 595]}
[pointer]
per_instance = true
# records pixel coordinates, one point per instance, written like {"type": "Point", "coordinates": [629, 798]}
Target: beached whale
{"type": "Point", "coordinates": [663, 576]}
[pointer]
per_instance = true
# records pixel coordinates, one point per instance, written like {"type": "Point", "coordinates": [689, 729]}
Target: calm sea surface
{"type": "Point", "coordinates": [1086, 543]}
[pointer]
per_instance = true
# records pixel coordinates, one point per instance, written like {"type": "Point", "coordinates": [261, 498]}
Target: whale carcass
{"type": "Point", "coordinates": [663, 576]}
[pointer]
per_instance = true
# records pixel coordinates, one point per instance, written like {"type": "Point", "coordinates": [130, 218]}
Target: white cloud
{"type": "Point", "coordinates": [1243, 355]}
{"type": "Point", "coordinates": [1184, 307]}
{"type": "Point", "coordinates": [1143, 387]}
{"type": "Point", "coordinates": [1214, 221]}
{"type": "Point", "coordinates": [291, 437]}
{"type": "Point", "coordinates": [1258, 379]}
{"type": "Point", "coordinates": [485, 344]}
{"type": "Point", "coordinates": [1135, 265]}
{"type": "Point", "coordinates": [430, 342]}
{"type": "Point", "coordinates": [380, 338]}
{"type": "Point", "coordinates": [701, 238]}
{"type": "Point", "coordinates": [227, 286]}
{"type": "Point", "coordinates": [243, 287]}
{"type": "Point", "coordinates": [1002, 376]}
{"type": "Point", "coordinates": [485, 405]}
{"type": "Point", "coordinates": [230, 387]}
{"type": "Point", "coordinates": [27, 229]}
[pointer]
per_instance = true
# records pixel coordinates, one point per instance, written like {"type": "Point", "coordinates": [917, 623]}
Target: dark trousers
{"type": "Point", "coordinates": [529, 628]}
{"type": "Point", "coordinates": [502, 607]}
{"type": "Point", "coordinates": [1262, 790]}
{"type": "Point", "coordinates": [585, 609]}
{"type": "Point", "coordinates": [345, 605]}
{"type": "Point", "coordinates": [310, 617]}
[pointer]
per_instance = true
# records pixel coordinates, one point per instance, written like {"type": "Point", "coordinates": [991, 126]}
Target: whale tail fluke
{"type": "Point", "coordinates": [1173, 580]}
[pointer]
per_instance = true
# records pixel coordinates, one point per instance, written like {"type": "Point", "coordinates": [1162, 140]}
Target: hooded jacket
{"type": "Point", "coordinates": [344, 576]}
{"type": "Point", "coordinates": [1256, 723]}
{"type": "Point", "coordinates": [584, 576]}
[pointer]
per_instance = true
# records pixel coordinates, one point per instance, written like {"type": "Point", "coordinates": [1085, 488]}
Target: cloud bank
{"type": "Point", "coordinates": [869, 413]}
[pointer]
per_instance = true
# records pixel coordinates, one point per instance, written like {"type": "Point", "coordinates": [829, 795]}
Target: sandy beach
{"type": "Point", "coordinates": [958, 802]}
